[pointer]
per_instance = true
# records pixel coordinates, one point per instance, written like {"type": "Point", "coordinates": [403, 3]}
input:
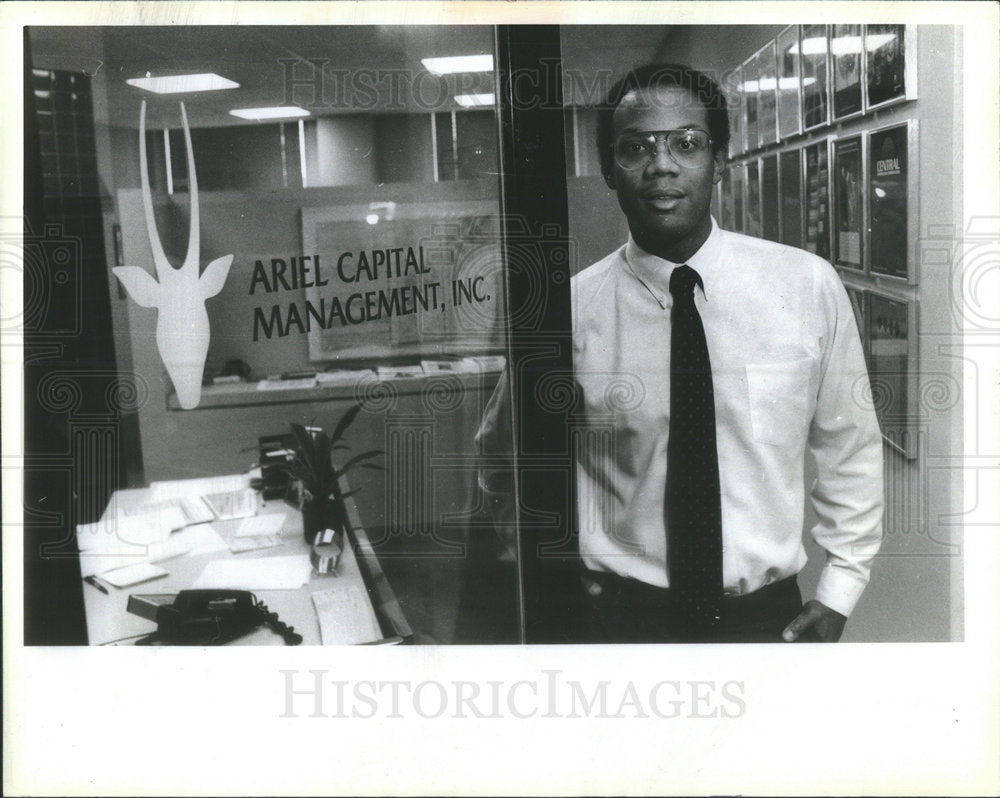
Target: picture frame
{"type": "Point", "coordinates": [847, 72]}
{"type": "Point", "coordinates": [848, 180]}
{"type": "Point", "coordinates": [816, 205]}
{"type": "Point", "coordinates": [732, 86]}
{"type": "Point", "coordinates": [891, 179]}
{"type": "Point", "coordinates": [890, 65]}
{"type": "Point", "coordinates": [814, 66]}
{"type": "Point", "coordinates": [738, 184]}
{"type": "Point", "coordinates": [770, 199]}
{"type": "Point", "coordinates": [726, 218]}
{"type": "Point", "coordinates": [767, 102]}
{"type": "Point", "coordinates": [789, 73]}
{"type": "Point", "coordinates": [751, 96]}
{"type": "Point", "coordinates": [791, 202]}
{"type": "Point", "coordinates": [892, 365]}
{"type": "Point", "coordinates": [752, 226]}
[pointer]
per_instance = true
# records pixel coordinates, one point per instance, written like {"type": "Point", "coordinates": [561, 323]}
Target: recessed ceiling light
{"type": "Point", "coordinates": [451, 64]}
{"type": "Point", "coordinates": [275, 112]}
{"type": "Point", "coordinates": [179, 84]}
{"type": "Point", "coordinates": [474, 100]}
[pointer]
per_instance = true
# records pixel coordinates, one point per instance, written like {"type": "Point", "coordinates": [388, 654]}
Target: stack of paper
{"type": "Point", "coordinates": [122, 540]}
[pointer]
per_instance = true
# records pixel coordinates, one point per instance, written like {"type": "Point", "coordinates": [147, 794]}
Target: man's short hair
{"type": "Point", "coordinates": [698, 85]}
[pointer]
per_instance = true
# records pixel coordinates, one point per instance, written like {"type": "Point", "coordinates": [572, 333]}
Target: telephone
{"type": "Point", "coordinates": [207, 617]}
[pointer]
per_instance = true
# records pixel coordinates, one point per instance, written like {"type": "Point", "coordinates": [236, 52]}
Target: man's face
{"type": "Point", "coordinates": [666, 204]}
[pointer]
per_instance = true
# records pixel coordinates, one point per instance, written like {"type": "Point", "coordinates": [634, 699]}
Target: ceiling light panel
{"type": "Point", "coordinates": [454, 64]}
{"type": "Point", "coordinates": [183, 84]}
{"type": "Point", "coordinates": [275, 112]}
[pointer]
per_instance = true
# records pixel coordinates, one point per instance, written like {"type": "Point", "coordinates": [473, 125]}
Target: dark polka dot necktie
{"type": "Point", "coordinates": [692, 508]}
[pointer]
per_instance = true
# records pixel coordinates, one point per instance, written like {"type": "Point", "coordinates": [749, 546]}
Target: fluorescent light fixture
{"type": "Point", "coordinates": [874, 41]}
{"type": "Point", "coordinates": [769, 84]}
{"type": "Point", "coordinates": [843, 45]}
{"type": "Point", "coordinates": [275, 112]}
{"type": "Point", "coordinates": [180, 84]}
{"type": "Point", "coordinates": [453, 64]}
{"type": "Point", "coordinates": [475, 100]}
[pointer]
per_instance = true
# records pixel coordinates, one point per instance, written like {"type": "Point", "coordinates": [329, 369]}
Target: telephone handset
{"type": "Point", "coordinates": [210, 618]}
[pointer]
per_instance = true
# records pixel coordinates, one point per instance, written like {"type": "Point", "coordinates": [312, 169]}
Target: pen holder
{"type": "Point", "coordinates": [326, 551]}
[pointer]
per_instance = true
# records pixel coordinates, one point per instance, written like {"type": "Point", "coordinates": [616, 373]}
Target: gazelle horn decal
{"type": "Point", "coordinates": [182, 329]}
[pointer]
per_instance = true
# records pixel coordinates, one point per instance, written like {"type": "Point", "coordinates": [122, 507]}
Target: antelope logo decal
{"type": "Point", "coordinates": [182, 331]}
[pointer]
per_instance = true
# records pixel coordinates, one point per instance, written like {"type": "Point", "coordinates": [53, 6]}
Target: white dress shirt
{"type": "Point", "coordinates": [788, 373]}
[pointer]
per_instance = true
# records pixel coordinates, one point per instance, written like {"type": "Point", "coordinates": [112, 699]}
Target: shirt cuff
{"type": "Point", "coordinates": [839, 589]}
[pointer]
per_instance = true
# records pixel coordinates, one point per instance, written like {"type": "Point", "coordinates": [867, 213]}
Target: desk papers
{"type": "Point", "coordinates": [261, 573]}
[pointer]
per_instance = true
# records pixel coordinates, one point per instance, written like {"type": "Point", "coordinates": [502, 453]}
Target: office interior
{"type": "Point", "coordinates": [386, 150]}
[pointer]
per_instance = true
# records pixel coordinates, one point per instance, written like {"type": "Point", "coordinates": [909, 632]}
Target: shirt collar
{"type": "Point", "coordinates": [654, 272]}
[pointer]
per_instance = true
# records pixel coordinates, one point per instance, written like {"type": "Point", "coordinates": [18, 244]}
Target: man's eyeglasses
{"type": "Point", "coordinates": [690, 148]}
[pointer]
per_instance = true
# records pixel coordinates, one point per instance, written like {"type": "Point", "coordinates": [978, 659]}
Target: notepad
{"type": "Point", "coordinates": [268, 524]}
{"type": "Point", "coordinates": [345, 617]}
{"type": "Point", "coordinates": [133, 574]}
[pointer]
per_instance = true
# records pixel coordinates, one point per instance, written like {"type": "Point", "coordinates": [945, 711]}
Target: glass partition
{"type": "Point", "coordinates": [296, 220]}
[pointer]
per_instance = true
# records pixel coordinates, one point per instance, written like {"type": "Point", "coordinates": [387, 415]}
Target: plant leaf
{"type": "Point", "coordinates": [345, 421]}
{"type": "Point", "coordinates": [357, 459]}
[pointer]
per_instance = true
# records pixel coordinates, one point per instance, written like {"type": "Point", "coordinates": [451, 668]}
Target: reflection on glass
{"type": "Point", "coordinates": [845, 45]}
{"type": "Point", "coordinates": [753, 225]}
{"type": "Point", "coordinates": [888, 332]}
{"type": "Point", "coordinates": [767, 85]}
{"type": "Point", "coordinates": [887, 201]}
{"type": "Point", "coordinates": [751, 103]}
{"type": "Point", "coordinates": [788, 82]}
{"type": "Point", "coordinates": [815, 60]}
{"type": "Point", "coordinates": [738, 220]}
{"type": "Point", "coordinates": [770, 203]}
{"type": "Point", "coordinates": [791, 198]}
{"type": "Point", "coordinates": [847, 198]}
{"type": "Point", "coordinates": [885, 52]}
{"type": "Point", "coordinates": [817, 200]}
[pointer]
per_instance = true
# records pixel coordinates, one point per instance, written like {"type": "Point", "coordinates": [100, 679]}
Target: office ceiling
{"type": "Point", "coordinates": [372, 68]}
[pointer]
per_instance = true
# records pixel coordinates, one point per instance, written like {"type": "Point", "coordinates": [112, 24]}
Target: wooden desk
{"type": "Point", "coordinates": [108, 619]}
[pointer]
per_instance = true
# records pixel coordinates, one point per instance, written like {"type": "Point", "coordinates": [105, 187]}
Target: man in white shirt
{"type": "Point", "coordinates": [787, 374]}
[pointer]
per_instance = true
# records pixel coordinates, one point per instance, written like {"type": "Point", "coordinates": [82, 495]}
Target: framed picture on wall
{"type": "Point", "coordinates": [725, 218]}
{"type": "Point", "coordinates": [888, 187]}
{"type": "Point", "coordinates": [845, 45]}
{"type": "Point", "coordinates": [892, 367]}
{"type": "Point", "coordinates": [816, 179]}
{"type": "Point", "coordinates": [789, 85]}
{"type": "Point", "coordinates": [767, 104]}
{"type": "Point", "coordinates": [737, 181]}
{"type": "Point", "coordinates": [814, 48]}
{"type": "Point", "coordinates": [732, 87]}
{"type": "Point", "coordinates": [751, 95]}
{"type": "Point", "coordinates": [889, 61]}
{"type": "Point", "coordinates": [790, 191]}
{"type": "Point", "coordinates": [770, 201]}
{"type": "Point", "coordinates": [859, 304]}
{"type": "Point", "coordinates": [848, 181]}
{"type": "Point", "coordinates": [752, 226]}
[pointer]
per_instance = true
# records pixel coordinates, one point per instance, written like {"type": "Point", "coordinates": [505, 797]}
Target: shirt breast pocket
{"type": "Point", "coordinates": [779, 401]}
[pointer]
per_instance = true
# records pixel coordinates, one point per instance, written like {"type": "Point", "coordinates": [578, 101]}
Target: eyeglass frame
{"type": "Point", "coordinates": [659, 135]}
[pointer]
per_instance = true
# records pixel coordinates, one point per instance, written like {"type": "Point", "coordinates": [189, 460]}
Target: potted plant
{"type": "Point", "coordinates": [323, 506]}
